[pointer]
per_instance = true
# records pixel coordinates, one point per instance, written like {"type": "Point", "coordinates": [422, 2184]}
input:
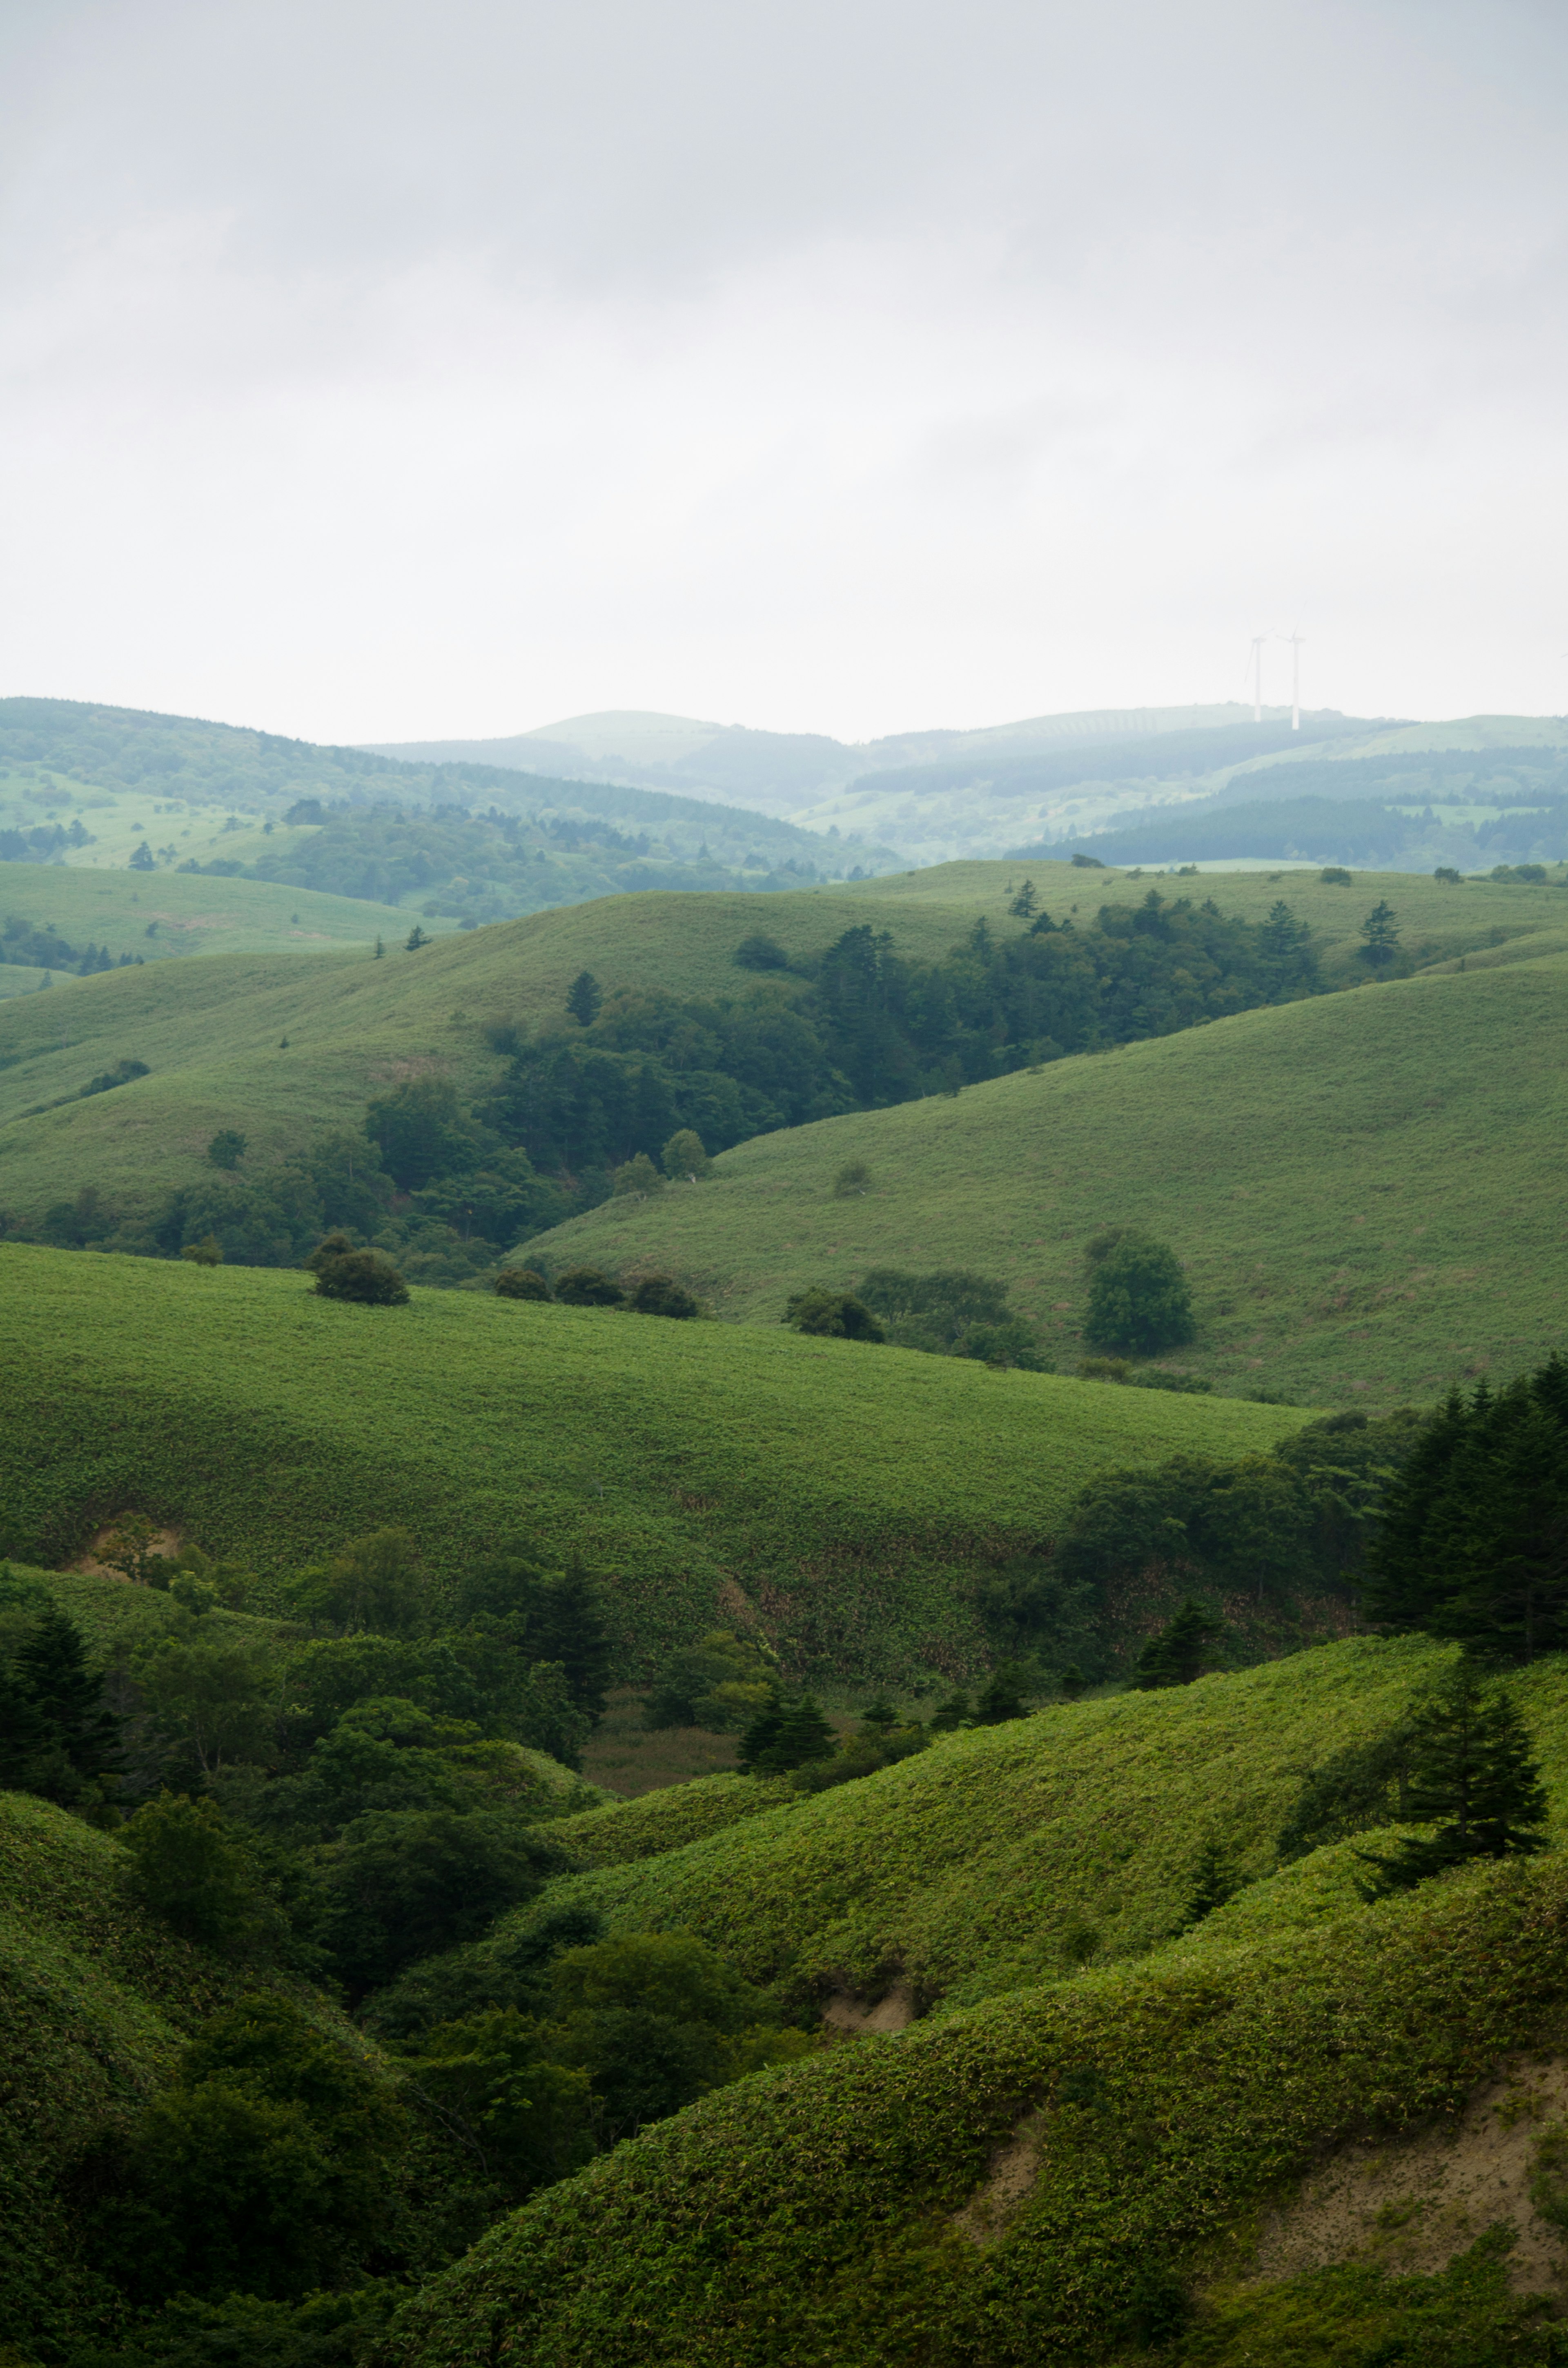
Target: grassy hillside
{"type": "Point", "coordinates": [1363, 1186]}
{"type": "Point", "coordinates": [153, 919]}
{"type": "Point", "coordinates": [1079, 2164]}
{"type": "Point", "coordinates": [845, 1497]}
{"type": "Point", "coordinates": [211, 1033]}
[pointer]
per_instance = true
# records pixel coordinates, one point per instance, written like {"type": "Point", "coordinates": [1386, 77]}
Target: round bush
{"type": "Point", "coordinates": [520, 1282]}
{"type": "Point", "coordinates": [661, 1294]}
{"type": "Point", "coordinates": [584, 1286]}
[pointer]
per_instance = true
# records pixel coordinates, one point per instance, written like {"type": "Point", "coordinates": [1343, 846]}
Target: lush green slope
{"type": "Point", "coordinates": [1364, 1189]}
{"type": "Point", "coordinates": [211, 1032]}
{"type": "Point", "coordinates": [127, 913]}
{"type": "Point", "coordinates": [1110, 2136]}
{"type": "Point", "coordinates": [981, 1864]}
{"type": "Point", "coordinates": [846, 1496]}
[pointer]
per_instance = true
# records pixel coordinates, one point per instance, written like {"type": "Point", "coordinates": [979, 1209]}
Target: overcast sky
{"type": "Point", "coordinates": [379, 371]}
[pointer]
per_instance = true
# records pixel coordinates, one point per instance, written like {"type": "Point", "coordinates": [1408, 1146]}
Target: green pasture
{"type": "Point", "coordinates": [1163, 2091]}
{"type": "Point", "coordinates": [1365, 1188]}
{"type": "Point", "coordinates": [162, 914]}
{"type": "Point", "coordinates": [842, 1495]}
{"type": "Point", "coordinates": [212, 1031]}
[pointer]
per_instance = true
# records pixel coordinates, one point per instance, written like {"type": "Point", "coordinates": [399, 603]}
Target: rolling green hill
{"type": "Point", "coordinates": [1364, 1188]}
{"type": "Point", "coordinates": [845, 1498]}
{"type": "Point", "coordinates": [154, 919]}
{"type": "Point", "coordinates": [1074, 2154]}
{"type": "Point", "coordinates": [210, 1033]}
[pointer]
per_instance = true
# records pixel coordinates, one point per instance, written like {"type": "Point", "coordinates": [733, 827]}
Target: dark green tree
{"type": "Point", "coordinates": [953, 1711]}
{"type": "Point", "coordinates": [584, 1286]}
{"type": "Point", "coordinates": [570, 1627]}
{"type": "Point", "coordinates": [832, 1315]}
{"type": "Point", "coordinates": [1002, 1697]}
{"type": "Point", "coordinates": [759, 952]}
{"type": "Point", "coordinates": [144, 859]}
{"type": "Point", "coordinates": [661, 1294]}
{"type": "Point", "coordinates": [52, 1669]}
{"type": "Point", "coordinates": [415, 940]}
{"type": "Point", "coordinates": [785, 1734]}
{"type": "Point", "coordinates": [1139, 1297]}
{"type": "Point", "coordinates": [1024, 903]}
{"type": "Point", "coordinates": [25, 1761]}
{"type": "Point", "coordinates": [1471, 1542]}
{"type": "Point", "coordinates": [186, 1863]}
{"type": "Point", "coordinates": [423, 1132]}
{"type": "Point", "coordinates": [400, 1884]}
{"type": "Point", "coordinates": [520, 1282]}
{"type": "Point", "coordinates": [376, 1582]}
{"type": "Point", "coordinates": [227, 1148]}
{"type": "Point", "coordinates": [585, 998]}
{"type": "Point", "coordinates": [1212, 1883]}
{"type": "Point", "coordinates": [1181, 1651]}
{"type": "Point", "coordinates": [365, 1276]}
{"type": "Point", "coordinates": [1382, 936]}
{"type": "Point", "coordinates": [1473, 1776]}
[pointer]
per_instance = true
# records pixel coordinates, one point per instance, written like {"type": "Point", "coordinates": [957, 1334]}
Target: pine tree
{"type": "Point", "coordinates": [52, 1668]}
{"type": "Point", "coordinates": [785, 1734]}
{"type": "Point", "coordinates": [1473, 1776]}
{"type": "Point", "coordinates": [1381, 937]}
{"type": "Point", "coordinates": [415, 940]}
{"type": "Point", "coordinates": [1002, 1698]}
{"type": "Point", "coordinates": [1213, 1884]}
{"type": "Point", "coordinates": [952, 1711]}
{"type": "Point", "coordinates": [583, 997]}
{"type": "Point", "coordinates": [1178, 1655]}
{"type": "Point", "coordinates": [571, 1629]}
{"type": "Point", "coordinates": [1022, 905]}
{"type": "Point", "coordinates": [24, 1747]}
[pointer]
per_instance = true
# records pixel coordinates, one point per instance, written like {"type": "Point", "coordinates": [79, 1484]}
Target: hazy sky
{"type": "Point", "coordinates": [379, 371]}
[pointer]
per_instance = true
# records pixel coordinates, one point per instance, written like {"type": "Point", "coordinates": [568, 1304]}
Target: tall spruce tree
{"type": "Point", "coordinates": [570, 1627]}
{"type": "Point", "coordinates": [1471, 1542]}
{"type": "Point", "coordinates": [1471, 1775]}
{"type": "Point", "coordinates": [52, 1669]}
{"type": "Point", "coordinates": [1181, 1652]}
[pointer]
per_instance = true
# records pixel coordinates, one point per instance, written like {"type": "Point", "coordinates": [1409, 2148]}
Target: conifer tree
{"type": "Point", "coordinates": [1180, 1653]}
{"type": "Point", "coordinates": [1002, 1697]}
{"type": "Point", "coordinates": [785, 1734]}
{"type": "Point", "coordinates": [1473, 1776]}
{"type": "Point", "coordinates": [571, 1629]}
{"type": "Point", "coordinates": [583, 997]}
{"type": "Point", "coordinates": [952, 1711]}
{"type": "Point", "coordinates": [23, 1743]}
{"type": "Point", "coordinates": [52, 1668]}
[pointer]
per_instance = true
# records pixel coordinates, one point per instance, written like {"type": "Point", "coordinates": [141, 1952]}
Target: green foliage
{"type": "Point", "coordinates": [852, 1181]}
{"type": "Point", "coordinates": [718, 1683]}
{"type": "Point", "coordinates": [422, 1132]}
{"type": "Point", "coordinates": [583, 998]}
{"type": "Point", "coordinates": [1382, 936]}
{"type": "Point", "coordinates": [684, 1157]}
{"type": "Point", "coordinates": [1473, 1775]}
{"type": "Point", "coordinates": [520, 1282]}
{"type": "Point", "coordinates": [1139, 1297]}
{"type": "Point", "coordinates": [584, 1286]}
{"type": "Point", "coordinates": [1472, 1539]}
{"type": "Point", "coordinates": [266, 2169]}
{"type": "Point", "coordinates": [402, 1884]}
{"type": "Point", "coordinates": [208, 1695]}
{"type": "Point", "coordinates": [950, 1314]}
{"type": "Point", "coordinates": [1182, 1650]}
{"type": "Point", "coordinates": [189, 1865]}
{"type": "Point", "coordinates": [376, 1582]}
{"type": "Point", "coordinates": [1361, 1785]}
{"type": "Point", "coordinates": [59, 1737]}
{"type": "Point", "coordinates": [637, 1177]}
{"type": "Point", "coordinates": [785, 1732]}
{"type": "Point", "coordinates": [832, 1315]}
{"type": "Point", "coordinates": [227, 1148]}
{"type": "Point", "coordinates": [661, 1294]}
{"type": "Point", "coordinates": [364, 1275]}
{"type": "Point", "coordinates": [528, 2118]}
{"type": "Point", "coordinates": [760, 952]}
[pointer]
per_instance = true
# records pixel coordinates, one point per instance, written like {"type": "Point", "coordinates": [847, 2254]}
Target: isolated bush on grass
{"type": "Point", "coordinates": [832, 1315]}
{"type": "Point", "coordinates": [584, 1286]}
{"type": "Point", "coordinates": [684, 1156]}
{"type": "Point", "coordinates": [365, 1276]}
{"type": "Point", "coordinates": [1139, 1297]}
{"type": "Point", "coordinates": [520, 1282]}
{"type": "Point", "coordinates": [661, 1294]}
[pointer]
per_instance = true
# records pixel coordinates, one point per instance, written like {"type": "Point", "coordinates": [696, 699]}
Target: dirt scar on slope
{"type": "Point", "coordinates": [895, 2011]}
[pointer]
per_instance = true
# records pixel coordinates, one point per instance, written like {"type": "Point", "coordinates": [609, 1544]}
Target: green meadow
{"type": "Point", "coordinates": [163, 915]}
{"type": "Point", "coordinates": [849, 1496]}
{"type": "Point", "coordinates": [1364, 1189]}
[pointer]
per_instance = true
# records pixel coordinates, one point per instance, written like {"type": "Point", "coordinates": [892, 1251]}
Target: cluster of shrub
{"type": "Point", "coordinates": [340, 1809]}
{"type": "Point", "coordinates": [24, 943]}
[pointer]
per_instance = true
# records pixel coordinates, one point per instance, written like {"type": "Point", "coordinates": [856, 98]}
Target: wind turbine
{"type": "Point", "coordinates": [1258, 642]}
{"type": "Point", "coordinates": [1295, 640]}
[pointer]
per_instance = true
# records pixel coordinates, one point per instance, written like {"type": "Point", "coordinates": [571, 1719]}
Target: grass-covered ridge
{"type": "Point", "coordinates": [845, 1498]}
{"type": "Point", "coordinates": [814, 2215]}
{"type": "Point", "coordinates": [1362, 1187]}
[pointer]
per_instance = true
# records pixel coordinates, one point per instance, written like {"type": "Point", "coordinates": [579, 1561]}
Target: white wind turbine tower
{"type": "Point", "coordinates": [1295, 640]}
{"type": "Point", "coordinates": [1258, 642]}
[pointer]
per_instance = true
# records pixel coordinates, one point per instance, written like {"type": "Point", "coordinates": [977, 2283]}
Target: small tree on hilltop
{"type": "Point", "coordinates": [1383, 938]}
{"type": "Point", "coordinates": [1181, 1652]}
{"type": "Point", "coordinates": [583, 997]}
{"type": "Point", "coordinates": [635, 1178]}
{"type": "Point", "coordinates": [415, 940]}
{"type": "Point", "coordinates": [1139, 1296]}
{"type": "Point", "coordinates": [1473, 1775]}
{"type": "Point", "coordinates": [1022, 905]}
{"type": "Point", "coordinates": [684, 1156]}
